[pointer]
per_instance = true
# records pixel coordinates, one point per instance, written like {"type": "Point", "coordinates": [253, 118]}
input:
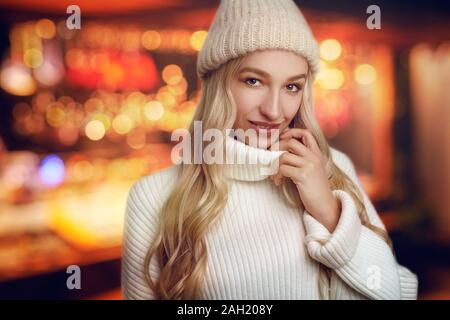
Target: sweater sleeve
{"type": "Point", "coordinates": [139, 229]}
{"type": "Point", "coordinates": [360, 257]}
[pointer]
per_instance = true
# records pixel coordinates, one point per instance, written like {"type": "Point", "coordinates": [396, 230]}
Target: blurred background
{"type": "Point", "coordinates": [84, 113]}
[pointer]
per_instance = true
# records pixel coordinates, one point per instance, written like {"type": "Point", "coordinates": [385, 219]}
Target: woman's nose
{"type": "Point", "coordinates": [272, 107]}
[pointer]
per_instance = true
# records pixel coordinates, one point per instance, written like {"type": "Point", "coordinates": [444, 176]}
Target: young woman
{"type": "Point", "coordinates": [306, 230]}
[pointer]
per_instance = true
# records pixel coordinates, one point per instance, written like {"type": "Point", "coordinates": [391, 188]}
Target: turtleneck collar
{"type": "Point", "coordinates": [250, 163]}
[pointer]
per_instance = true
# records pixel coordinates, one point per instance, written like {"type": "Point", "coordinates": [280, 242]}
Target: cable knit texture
{"type": "Point", "coordinates": [242, 26]}
{"type": "Point", "coordinates": [261, 248]}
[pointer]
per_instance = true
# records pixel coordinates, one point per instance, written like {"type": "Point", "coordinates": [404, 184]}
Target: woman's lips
{"type": "Point", "coordinates": [261, 127]}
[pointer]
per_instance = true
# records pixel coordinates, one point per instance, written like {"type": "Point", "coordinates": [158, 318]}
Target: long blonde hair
{"type": "Point", "coordinates": [185, 217]}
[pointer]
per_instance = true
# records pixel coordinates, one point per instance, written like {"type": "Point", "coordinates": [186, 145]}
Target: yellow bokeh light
{"type": "Point", "coordinates": [17, 80]}
{"type": "Point", "coordinates": [172, 74]}
{"type": "Point", "coordinates": [170, 90]}
{"type": "Point", "coordinates": [55, 115]}
{"type": "Point", "coordinates": [95, 130]}
{"type": "Point", "coordinates": [103, 118]}
{"type": "Point", "coordinates": [45, 29]}
{"type": "Point", "coordinates": [365, 74]}
{"type": "Point", "coordinates": [136, 97]}
{"type": "Point", "coordinates": [180, 87]}
{"type": "Point", "coordinates": [167, 99]}
{"type": "Point", "coordinates": [197, 39]}
{"type": "Point", "coordinates": [33, 58]}
{"type": "Point", "coordinates": [122, 124]}
{"type": "Point", "coordinates": [332, 79]}
{"type": "Point", "coordinates": [151, 40]}
{"type": "Point", "coordinates": [154, 110]}
{"type": "Point", "coordinates": [330, 49]}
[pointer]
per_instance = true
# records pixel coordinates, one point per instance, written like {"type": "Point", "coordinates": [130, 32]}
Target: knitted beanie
{"type": "Point", "coordinates": [242, 26]}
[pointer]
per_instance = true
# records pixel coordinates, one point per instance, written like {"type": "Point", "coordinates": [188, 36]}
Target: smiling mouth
{"type": "Point", "coordinates": [263, 125]}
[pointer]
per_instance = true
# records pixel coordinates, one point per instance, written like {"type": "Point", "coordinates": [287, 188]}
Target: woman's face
{"type": "Point", "coordinates": [268, 91]}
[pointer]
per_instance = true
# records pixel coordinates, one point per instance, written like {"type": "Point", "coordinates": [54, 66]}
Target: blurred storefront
{"type": "Point", "coordinates": [84, 113]}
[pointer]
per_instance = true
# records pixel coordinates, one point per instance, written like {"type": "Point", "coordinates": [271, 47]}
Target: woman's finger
{"type": "Point", "coordinates": [304, 134]}
{"type": "Point", "coordinates": [294, 146]}
{"type": "Point", "coordinates": [289, 159]}
{"type": "Point", "coordinates": [292, 159]}
{"type": "Point", "coordinates": [289, 171]}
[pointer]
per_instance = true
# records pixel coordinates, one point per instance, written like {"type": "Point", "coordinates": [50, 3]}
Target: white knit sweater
{"type": "Point", "coordinates": [263, 249]}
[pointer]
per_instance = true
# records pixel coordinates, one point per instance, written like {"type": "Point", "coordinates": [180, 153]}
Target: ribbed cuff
{"type": "Point", "coordinates": [334, 249]}
{"type": "Point", "coordinates": [408, 284]}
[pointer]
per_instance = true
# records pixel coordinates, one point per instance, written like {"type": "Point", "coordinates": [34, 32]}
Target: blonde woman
{"type": "Point", "coordinates": [306, 230]}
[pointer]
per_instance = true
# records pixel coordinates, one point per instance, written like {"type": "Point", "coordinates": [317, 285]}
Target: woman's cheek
{"type": "Point", "coordinates": [293, 112]}
{"type": "Point", "coordinates": [247, 102]}
{"type": "Point", "coordinates": [293, 108]}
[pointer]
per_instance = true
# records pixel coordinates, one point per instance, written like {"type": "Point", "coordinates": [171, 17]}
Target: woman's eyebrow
{"type": "Point", "coordinates": [267, 75]}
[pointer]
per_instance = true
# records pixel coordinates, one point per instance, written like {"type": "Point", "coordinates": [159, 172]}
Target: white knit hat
{"type": "Point", "coordinates": [242, 26]}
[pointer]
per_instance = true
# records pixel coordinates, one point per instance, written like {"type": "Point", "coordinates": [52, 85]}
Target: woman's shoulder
{"type": "Point", "coordinates": [148, 193]}
{"type": "Point", "coordinates": [156, 181]}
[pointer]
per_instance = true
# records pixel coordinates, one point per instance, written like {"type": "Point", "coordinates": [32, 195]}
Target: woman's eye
{"type": "Point", "coordinates": [249, 80]}
{"type": "Point", "coordinates": [295, 86]}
